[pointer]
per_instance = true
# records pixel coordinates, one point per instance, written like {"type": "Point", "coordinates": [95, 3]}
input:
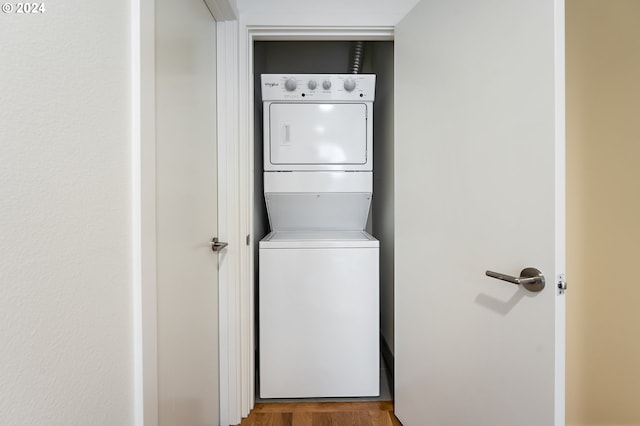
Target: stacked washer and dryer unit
{"type": "Point", "coordinates": [318, 268]}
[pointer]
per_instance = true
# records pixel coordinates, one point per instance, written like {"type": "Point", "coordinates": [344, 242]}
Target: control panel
{"type": "Point", "coordinates": [318, 87]}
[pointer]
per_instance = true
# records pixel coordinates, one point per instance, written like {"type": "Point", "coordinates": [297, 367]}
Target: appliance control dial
{"type": "Point", "coordinates": [326, 85]}
{"type": "Point", "coordinates": [290, 84]}
{"type": "Point", "coordinates": [312, 84]}
{"type": "Point", "coordinates": [349, 84]}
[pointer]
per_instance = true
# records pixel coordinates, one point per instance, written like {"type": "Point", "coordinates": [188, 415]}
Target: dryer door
{"type": "Point", "coordinates": [312, 136]}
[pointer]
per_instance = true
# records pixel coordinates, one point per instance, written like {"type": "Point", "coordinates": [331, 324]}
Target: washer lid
{"type": "Point", "coordinates": [318, 239]}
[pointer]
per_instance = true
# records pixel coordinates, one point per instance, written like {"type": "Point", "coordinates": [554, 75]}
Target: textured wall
{"type": "Point", "coordinates": [603, 211]}
{"type": "Point", "coordinates": [65, 249]}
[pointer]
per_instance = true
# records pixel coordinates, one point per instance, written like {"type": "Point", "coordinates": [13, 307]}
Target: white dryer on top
{"type": "Point", "coordinates": [318, 150]}
{"type": "Point", "coordinates": [324, 128]}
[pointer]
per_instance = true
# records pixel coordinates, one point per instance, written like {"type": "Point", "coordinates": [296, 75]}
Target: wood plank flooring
{"type": "Point", "coordinates": [322, 414]}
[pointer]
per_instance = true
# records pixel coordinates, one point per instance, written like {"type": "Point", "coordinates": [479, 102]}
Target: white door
{"type": "Point", "coordinates": [479, 186]}
{"type": "Point", "coordinates": [186, 176]}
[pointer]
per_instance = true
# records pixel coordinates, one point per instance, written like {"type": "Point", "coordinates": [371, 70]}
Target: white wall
{"type": "Point", "coordinates": [65, 221]}
{"type": "Point", "coordinates": [325, 13]}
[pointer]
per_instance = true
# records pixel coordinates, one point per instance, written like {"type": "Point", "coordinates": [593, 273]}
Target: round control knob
{"type": "Point", "coordinates": [349, 84]}
{"type": "Point", "coordinates": [312, 84]}
{"type": "Point", "coordinates": [290, 84]}
{"type": "Point", "coordinates": [326, 85]}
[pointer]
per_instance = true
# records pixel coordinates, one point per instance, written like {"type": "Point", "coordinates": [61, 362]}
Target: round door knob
{"type": "Point", "coordinates": [312, 84]}
{"type": "Point", "coordinates": [326, 85]}
{"type": "Point", "coordinates": [349, 84]}
{"type": "Point", "coordinates": [290, 84]}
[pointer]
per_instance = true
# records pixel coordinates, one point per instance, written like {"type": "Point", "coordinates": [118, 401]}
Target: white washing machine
{"type": "Point", "coordinates": [318, 268]}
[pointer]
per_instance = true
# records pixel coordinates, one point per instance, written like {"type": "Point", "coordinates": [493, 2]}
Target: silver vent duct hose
{"type": "Point", "coordinates": [356, 57]}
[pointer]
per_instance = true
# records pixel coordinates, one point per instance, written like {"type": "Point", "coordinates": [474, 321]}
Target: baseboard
{"type": "Point", "coordinates": [387, 358]}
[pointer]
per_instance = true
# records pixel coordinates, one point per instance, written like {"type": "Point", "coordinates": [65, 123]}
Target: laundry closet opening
{"type": "Point", "coordinates": [335, 57]}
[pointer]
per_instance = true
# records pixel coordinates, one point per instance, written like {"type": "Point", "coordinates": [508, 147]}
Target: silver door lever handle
{"type": "Point", "coordinates": [530, 278]}
{"type": "Point", "coordinates": [217, 245]}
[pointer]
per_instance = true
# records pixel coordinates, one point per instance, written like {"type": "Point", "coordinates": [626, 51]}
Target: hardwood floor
{"type": "Point", "coordinates": [322, 414]}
